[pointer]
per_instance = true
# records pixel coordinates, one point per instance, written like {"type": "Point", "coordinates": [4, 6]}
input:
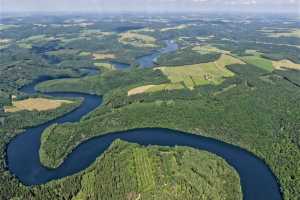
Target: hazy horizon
{"type": "Point", "coordinates": [148, 6]}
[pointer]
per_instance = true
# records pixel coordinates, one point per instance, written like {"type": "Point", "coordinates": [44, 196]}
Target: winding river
{"type": "Point", "coordinates": [257, 180]}
{"type": "Point", "coordinates": [150, 59]}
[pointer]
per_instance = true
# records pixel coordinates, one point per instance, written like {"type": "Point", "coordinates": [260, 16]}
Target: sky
{"type": "Point", "coordinates": [149, 5]}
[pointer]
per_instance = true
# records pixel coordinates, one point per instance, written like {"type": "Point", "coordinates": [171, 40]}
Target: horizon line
{"type": "Point", "coordinates": [153, 11]}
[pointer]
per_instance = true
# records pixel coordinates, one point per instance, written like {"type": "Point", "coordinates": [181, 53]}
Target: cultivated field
{"type": "Point", "coordinates": [39, 104]}
{"type": "Point", "coordinates": [209, 49]}
{"type": "Point", "coordinates": [103, 56]}
{"type": "Point", "coordinates": [155, 88]}
{"type": "Point", "coordinates": [201, 74]}
{"type": "Point", "coordinates": [137, 40]}
{"type": "Point", "coordinates": [285, 64]}
{"type": "Point", "coordinates": [140, 90]}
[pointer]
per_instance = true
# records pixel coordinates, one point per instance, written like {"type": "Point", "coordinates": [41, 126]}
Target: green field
{"type": "Point", "coordinates": [201, 74]}
{"type": "Point", "coordinates": [260, 62]}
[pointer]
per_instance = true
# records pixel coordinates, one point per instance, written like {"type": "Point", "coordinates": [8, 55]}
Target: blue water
{"type": "Point", "coordinates": [150, 60]}
{"type": "Point", "coordinates": [257, 180]}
